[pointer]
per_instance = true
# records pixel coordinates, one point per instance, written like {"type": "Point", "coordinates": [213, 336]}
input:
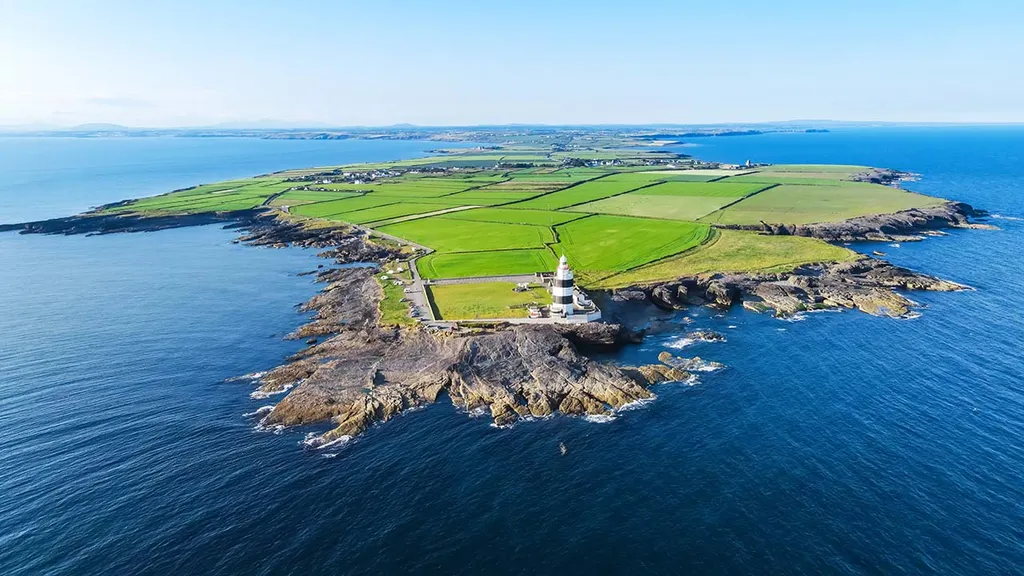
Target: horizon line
{"type": "Point", "coordinates": [242, 125]}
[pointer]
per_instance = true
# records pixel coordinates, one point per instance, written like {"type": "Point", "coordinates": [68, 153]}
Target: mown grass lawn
{"type": "Point", "coordinates": [486, 300]}
{"type": "Point", "coordinates": [449, 235]}
{"type": "Point", "coordinates": [495, 263]}
{"type": "Point", "coordinates": [511, 216]}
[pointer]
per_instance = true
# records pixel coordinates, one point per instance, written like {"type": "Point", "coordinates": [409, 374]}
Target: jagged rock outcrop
{"type": "Point", "coordinates": [687, 365]}
{"type": "Point", "coordinates": [866, 284]}
{"type": "Point", "coordinates": [904, 226]}
{"type": "Point", "coordinates": [883, 176]}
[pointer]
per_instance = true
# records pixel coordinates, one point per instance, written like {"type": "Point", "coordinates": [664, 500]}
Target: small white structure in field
{"type": "Point", "coordinates": [562, 289]}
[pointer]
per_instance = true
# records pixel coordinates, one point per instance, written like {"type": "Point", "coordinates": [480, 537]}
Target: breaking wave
{"type": "Point", "coordinates": [314, 441]}
{"type": "Point", "coordinates": [246, 377]}
{"type": "Point", "coordinates": [260, 394]}
{"type": "Point", "coordinates": [259, 412]}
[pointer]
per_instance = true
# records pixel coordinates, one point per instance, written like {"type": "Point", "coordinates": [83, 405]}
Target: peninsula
{"type": "Point", "coordinates": [455, 255]}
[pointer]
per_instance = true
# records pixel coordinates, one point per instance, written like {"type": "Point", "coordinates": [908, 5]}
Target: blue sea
{"type": "Point", "coordinates": [836, 443]}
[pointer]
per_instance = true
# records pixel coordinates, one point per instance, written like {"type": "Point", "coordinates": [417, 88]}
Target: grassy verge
{"type": "Point", "coordinates": [393, 312]}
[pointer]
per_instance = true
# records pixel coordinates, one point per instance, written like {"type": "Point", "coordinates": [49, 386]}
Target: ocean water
{"type": "Point", "coordinates": [836, 443]}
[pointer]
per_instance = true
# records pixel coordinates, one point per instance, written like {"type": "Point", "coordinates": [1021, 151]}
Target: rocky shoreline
{"type": "Point", "coordinates": [866, 284]}
{"type": "Point", "coordinates": [356, 373]}
{"type": "Point", "coordinates": [364, 373]}
{"type": "Point", "coordinates": [905, 226]}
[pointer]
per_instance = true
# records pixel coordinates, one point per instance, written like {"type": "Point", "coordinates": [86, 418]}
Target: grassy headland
{"type": "Point", "coordinates": [621, 216]}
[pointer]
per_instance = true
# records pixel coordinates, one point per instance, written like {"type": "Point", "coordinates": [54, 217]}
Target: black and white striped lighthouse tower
{"type": "Point", "coordinates": [562, 288]}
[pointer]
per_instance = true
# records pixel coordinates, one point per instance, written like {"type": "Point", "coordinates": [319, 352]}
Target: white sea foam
{"type": "Point", "coordinates": [314, 441]}
{"type": "Point", "coordinates": [261, 411]}
{"type": "Point", "coordinates": [599, 418]}
{"type": "Point", "coordinates": [681, 342]}
{"type": "Point", "coordinates": [1001, 217]}
{"type": "Point", "coordinates": [688, 340]}
{"type": "Point", "coordinates": [260, 394]}
{"type": "Point", "coordinates": [732, 326]}
{"type": "Point", "coordinates": [704, 366]}
{"type": "Point", "coordinates": [636, 404]}
{"type": "Point", "coordinates": [273, 428]}
{"type": "Point", "coordinates": [246, 377]}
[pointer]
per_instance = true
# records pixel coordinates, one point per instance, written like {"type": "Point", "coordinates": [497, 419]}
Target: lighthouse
{"type": "Point", "coordinates": [562, 289]}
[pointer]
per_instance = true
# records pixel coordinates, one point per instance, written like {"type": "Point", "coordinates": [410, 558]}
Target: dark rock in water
{"type": "Point", "coordinates": [695, 364]}
{"type": "Point", "coordinates": [629, 294]}
{"type": "Point", "coordinates": [597, 335]}
{"type": "Point", "coordinates": [666, 325]}
{"type": "Point", "coordinates": [313, 340]}
{"type": "Point", "coordinates": [721, 294]}
{"type": "Point", "coordinates": [705, 336]}
{"type": "Point", "coordinates": [666, 296]}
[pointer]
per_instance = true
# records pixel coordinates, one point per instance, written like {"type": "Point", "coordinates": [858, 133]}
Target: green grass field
{"type": "Point", "coordinates": [511, 216]}
{"type": "Point", "coordinates": [332, 207]}
{"type": "Point", "coordinates": [601, 245]}
{"type": "Point", "coordinates": [485, 300]}
{"type": "Point", "coordinates": [725, 189]}
{"type": "Point", "coordinates": [387, 212]}
{"type": "Point", "coordinates": [449, 235]}
{"type": "Point", "coordinates": [736, 251]}
{"type": "Point", "coordinates": [585, 192]}
{"type": "Point", "coordinates": [618, 224]}
{"type": "Point", "coordinates": [495, 263]}
{"type": "Point", "coordinates": [297, 197]}
{"type": "Point", "coordinates": [219, 197]}
{"type": "Point", "coordinates": [671, 200]}
{"type": "Point", "coordinates": [796, 204]}
{"type": "Point", "coordinates": [684, 208]}
{"type": "Point", "coordinates": [482, 197]}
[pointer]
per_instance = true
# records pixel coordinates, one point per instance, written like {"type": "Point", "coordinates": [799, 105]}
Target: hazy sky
{"type": "Point", "coordinates": [380, 62]}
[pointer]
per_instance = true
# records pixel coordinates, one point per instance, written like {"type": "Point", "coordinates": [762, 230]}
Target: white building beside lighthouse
{"type": "Point", "coordinates": [562, 289]}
